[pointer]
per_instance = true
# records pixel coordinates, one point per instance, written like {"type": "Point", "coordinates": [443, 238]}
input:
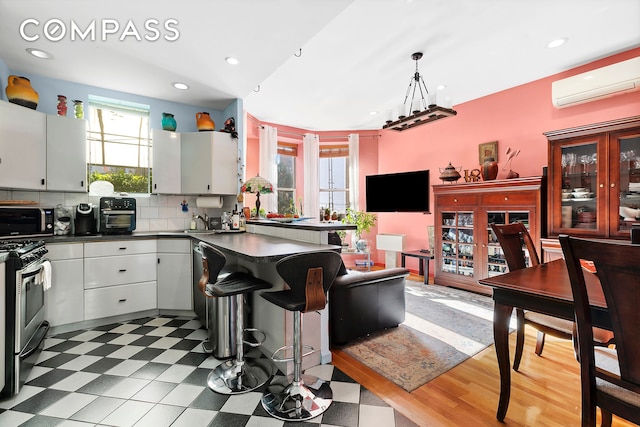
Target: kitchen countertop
{"type": "Point", "coordinates": [305, 225]}
{"type": "Point", "coordinates": [254, 247]}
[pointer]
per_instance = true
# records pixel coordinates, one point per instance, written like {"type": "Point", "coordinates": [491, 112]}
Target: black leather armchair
{"type": "Point", "coordinates": [364, 302]}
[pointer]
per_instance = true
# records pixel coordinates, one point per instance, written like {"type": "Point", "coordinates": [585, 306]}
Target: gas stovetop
{"type": "Point", "coordinates": [24, 250]}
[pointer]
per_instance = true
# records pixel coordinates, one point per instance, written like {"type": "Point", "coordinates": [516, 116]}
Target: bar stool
{"type": "Point", "coordinates": [238, 375]}
{"type": "Point", "coordinates": [309, 277]}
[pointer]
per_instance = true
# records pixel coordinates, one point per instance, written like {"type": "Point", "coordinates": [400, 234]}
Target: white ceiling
{"type": "Point", "coordinates": [354, 55]}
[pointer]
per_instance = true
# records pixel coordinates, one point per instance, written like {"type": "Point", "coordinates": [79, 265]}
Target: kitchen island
{"type": "Point", "coordinates": [259, 254]}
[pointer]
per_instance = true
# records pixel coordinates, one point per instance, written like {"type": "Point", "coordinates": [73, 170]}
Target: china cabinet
{"type": "Point", "coordinates": [594, 179]}
{"type": "Point", "coordinates": [466, 249]}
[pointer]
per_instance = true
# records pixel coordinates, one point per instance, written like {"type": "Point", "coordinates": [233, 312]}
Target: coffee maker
{"type": "Point", "coordinates": [85, 220]}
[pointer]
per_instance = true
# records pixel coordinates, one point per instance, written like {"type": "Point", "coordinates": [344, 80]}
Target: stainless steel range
{"type": "Point", "coordinates": [27, 273]}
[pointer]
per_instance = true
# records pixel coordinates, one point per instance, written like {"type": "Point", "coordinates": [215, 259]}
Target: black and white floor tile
{"type": "Point", "coordinates": [152, 372]}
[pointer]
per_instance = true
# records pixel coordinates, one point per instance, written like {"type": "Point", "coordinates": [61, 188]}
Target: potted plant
{"type": "Point", "coordinates": [364, 222]}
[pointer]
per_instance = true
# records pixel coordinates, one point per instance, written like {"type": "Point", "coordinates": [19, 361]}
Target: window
{"type": "Point", "coordinates": [286, 161]}
{"type": "Point", "coordinates": [119, 144]}
{"type": "Point", "coordinates": [333, 171]}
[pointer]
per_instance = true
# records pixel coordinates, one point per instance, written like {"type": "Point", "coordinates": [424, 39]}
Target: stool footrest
{"type": "Point", "coordinates": [261, 340]}
{"type": "Point", "coordinates": [290, 359]}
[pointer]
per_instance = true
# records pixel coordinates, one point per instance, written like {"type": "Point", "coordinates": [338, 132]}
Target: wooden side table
{"type": "Point", "coordinates": [423, 262]}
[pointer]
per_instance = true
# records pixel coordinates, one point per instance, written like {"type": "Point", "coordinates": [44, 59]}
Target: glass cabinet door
{"type": "Point", "coordinates": [496, 262]}
{"type": "Point", "coordinates": [581, 185]}
{"type": "Point", "coordinates": [625, 188]}
{"type": "Point", "coordinates": [457, 243]}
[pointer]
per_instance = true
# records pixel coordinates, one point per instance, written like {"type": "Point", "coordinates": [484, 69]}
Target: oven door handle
{"type": "Point", "coordinates": [32, 271]}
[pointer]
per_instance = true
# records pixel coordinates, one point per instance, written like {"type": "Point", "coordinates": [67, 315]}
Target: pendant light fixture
{"type": "Point", "coordinates": [417, 111]}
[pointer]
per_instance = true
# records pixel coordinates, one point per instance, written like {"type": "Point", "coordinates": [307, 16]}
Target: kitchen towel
{"type": "Point", "coordinates": [209, 202]}
{"type": "Point", "coordinates": [44, 276]}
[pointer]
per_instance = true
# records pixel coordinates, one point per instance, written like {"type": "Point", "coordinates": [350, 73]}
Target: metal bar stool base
{"type": "Point", "coordinates": [287, 400]}
{"type": "Point", "coordinates": [231, 378]}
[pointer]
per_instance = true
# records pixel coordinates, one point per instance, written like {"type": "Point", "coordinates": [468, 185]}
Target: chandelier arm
{"type": "Point", "coordinates": [408, 90]}
{"type": "Point", "coordinates": [424, 103]}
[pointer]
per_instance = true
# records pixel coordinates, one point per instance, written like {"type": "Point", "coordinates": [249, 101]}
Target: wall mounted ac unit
{"type": "Point", "coordinates": [604, 82]}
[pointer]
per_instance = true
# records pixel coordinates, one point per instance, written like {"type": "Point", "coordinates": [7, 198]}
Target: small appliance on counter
{"type": "Point", "coordinates": [117, 215]}
{"type": "Point", "coordinates": [85, 220]}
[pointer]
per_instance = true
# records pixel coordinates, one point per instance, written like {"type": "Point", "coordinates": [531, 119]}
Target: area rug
{"type": "Point", "coordinates": [443, 327]}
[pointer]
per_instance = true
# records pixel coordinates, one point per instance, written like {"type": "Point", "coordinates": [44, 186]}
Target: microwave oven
{"type": "Point", "coordinates": [26, 221]}
{"type": "Point", "coordinates": [117, 215]}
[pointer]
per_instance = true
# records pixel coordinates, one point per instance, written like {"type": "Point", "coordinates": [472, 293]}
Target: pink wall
{"type": "Point", "coordinates": [515, 118]}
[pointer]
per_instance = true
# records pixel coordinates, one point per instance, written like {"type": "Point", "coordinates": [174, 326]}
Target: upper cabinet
{"type": "Point", "coordinates": [166, 162]}
{"type": "Point", "coordinates": [66, 154]}
{"type": "Point", "coordinates": [23, 147]}
{"type": "Point", "coordinates": [40, 151]}
{"type": "Point", "coordinates": [594, 179]}
{"type": "Point", "coordinates": [209, 163]}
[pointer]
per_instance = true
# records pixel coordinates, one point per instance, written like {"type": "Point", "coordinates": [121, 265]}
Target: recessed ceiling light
{"type": "Point", "coordinates": [231, 60]}
{"type": "Point", "coordinates": [373, 113]}
{"type": "Point", "coordinates": [179, 85]}
{"type": "Point", "coordinates": [556, 43]}
{"type": "Point", "coordinates": [441, 87]}
{"type": "Point", "coordinates": [40, 53]}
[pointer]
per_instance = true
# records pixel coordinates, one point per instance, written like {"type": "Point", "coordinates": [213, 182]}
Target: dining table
{"type": "Point", "coordinates": [544, 288]}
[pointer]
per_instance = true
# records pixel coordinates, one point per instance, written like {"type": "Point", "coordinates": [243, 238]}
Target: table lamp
{"type": "Point", "coordinates": [257, 185]}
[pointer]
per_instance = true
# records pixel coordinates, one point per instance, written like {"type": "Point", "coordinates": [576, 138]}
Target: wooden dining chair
{"type": "Point", "coordinates": [610, 377]}
{"type": "Point", "coordinates": [512, 238]}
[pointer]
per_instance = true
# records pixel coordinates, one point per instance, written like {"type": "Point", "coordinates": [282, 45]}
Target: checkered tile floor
{"type": "Point", "coordinates": [152, 372]}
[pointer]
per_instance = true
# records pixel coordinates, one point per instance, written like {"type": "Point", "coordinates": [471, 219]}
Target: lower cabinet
{"type": "Point", "coordinates": [64, 301]}
{"type": "Point", "coordinates": [119, 278]}
{"type": "Point", "coordinates": [174, 274]}
{"type": "Point", "coordinates": [95, 280]}
{"type": "Point", "coordinates": [121, 299]}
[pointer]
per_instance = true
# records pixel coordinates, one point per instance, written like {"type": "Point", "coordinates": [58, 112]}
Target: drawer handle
{"type": "Point", "coordinates": [455, 200]}
{"type": "Point", "coordinates": [122, 300]}
{"type": "Point", "coordinates": [506, 198]}
{"type": "Point", "coordinates": [123, 249]}
{"type": "Point", "coordinates": [122, 270]}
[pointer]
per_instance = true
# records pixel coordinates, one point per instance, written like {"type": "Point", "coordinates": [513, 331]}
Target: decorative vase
{"type": "Point", "coordinates": [204, 122]}
{"type": "Point", "coordinates": [19, 91]}
{"type": "Point", "coordinates": [62, 105]}
{"type": "Point", "coordinates": [78, 109]}
{"type": "Point", "coordinates": [168, 122]}
{"type": "Point", "coordinates": [489, 169]}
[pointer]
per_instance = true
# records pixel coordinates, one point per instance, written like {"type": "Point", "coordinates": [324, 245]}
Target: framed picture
{"type": "Point", "coordinates": [488, 149]}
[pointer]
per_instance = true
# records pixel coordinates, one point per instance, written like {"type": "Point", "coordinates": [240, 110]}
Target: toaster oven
{"type": "Point", "coordinates": [117, 215]}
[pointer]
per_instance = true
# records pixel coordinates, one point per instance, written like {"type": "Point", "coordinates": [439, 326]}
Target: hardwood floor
{"type": "Point", "coordinates": [545, 391]}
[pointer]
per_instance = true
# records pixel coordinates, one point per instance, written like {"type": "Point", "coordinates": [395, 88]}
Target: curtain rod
{"type": "Point", "coordinates": [323, 136]}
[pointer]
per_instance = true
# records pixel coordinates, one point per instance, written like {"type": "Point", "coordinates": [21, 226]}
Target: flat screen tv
{"type": "Point", "coordinates": [398, 192]}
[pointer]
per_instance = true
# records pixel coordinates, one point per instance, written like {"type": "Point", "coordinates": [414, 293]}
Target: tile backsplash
{"type": "Point", "coordinates": [154, 212]}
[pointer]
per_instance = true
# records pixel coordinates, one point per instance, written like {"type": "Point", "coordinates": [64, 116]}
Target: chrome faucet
{"type": "Point", "coordinates": [205, 219]}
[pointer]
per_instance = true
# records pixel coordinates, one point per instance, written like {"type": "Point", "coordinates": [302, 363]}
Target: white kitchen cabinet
{"type": "Point", "coordinates": [174, 274]}
{"type": "Point", "coordinates": [119, 277]}
{"type": "Point", "coordinates": [64, 301]}
{"type": "Point", "coordinates": [166, 168]}
{"type": "Point", "coordinates": [23, 147]}
{"type": "Point", "coordinates": [118, 300]}
{"type": "Point", "coordinates": [209, 162]}
{"type": "Point", "coordinates": [66, 154]}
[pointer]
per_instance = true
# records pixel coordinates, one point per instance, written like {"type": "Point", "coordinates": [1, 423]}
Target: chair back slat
{"type": "Point", "coordinates": [617, 267]}
{"type": "Point", "coordinates": [511, 238]}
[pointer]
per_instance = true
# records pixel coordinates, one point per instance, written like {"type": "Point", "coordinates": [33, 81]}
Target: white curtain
{"type": "Point", "coordinates": [311, 146]}
{"type": "Point", "coordinates": [268, 167]}
{"type": "Point", "coordinates": [354, 144]}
